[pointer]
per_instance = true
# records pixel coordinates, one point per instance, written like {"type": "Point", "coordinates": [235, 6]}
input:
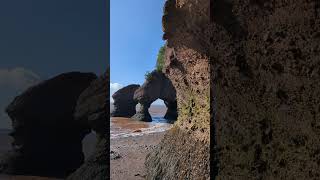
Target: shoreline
{"type": "Point", "coordinates": [127, 155]}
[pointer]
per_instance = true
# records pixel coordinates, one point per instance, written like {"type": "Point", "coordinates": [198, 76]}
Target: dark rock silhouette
{"type": "Point", "coordinates": [47, 139]}
{"type": "Point", "coordinates": [92, 110]}
{"type": "Point", "coordinates": [156, 86]}
{"type": "Point", "coordinates": [124, 104]}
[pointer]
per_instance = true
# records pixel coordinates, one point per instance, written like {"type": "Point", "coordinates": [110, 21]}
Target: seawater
{"type": "Point", "coordinates": [126, 127]}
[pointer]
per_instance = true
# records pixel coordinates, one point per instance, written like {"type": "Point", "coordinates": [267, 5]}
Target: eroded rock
{"type": "Point", "coordinates": [47, 139]}
{"type": "Point", "coordinates": [92, 110]}
{"type": "Point", "coordinates": [265, 79]}
{"type": "Point", "coordinates": [124, 104]}
{"type": "Point", "coordinates": [185, 150]}
{"type": "Point", "coordinates": [156, 86]}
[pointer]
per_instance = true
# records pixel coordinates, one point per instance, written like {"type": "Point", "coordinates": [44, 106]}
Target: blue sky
{"type": "Point", "coordinates": [49, 37]}
{"type": "Point", "coordinates": [43, 38]}
{"type": "Point", "coordinates": [136, 37]}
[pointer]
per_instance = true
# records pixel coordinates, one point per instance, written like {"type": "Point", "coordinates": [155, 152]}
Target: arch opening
{"type": "Point", "coordinates": [88, 144]}
{"type": "Point", "coordinates": [158, 110]}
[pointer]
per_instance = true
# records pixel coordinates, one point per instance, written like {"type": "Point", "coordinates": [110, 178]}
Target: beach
{"type": "Point", "coordinates": [128, 155]}
{"type": "Point", "coordinates": [132, 140]}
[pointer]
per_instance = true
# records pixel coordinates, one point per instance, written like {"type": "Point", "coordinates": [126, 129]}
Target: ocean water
{"type": "Point", "coordinates": [126, 127]}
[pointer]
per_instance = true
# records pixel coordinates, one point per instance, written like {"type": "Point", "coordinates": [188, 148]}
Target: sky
{"type": "Point", "coordinates": [43, 38]}
{"type": "Point", "coordinates": [135, 39]}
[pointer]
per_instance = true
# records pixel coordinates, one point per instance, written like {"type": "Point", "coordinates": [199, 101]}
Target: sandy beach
{"type": "Point", "coordinates": [128, 155]}
{"type": "Point", "coordinates": [132, 140]}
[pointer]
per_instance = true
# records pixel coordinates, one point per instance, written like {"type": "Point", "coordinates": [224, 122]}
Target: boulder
{"type": "Point", "coordinates": [124, 104]}
{"type": "Point", "coordinates": [156, 86]}
{"type": "Point", "coordinates": [47, 139]}
{"type": "Point", "coordinates": [92, 110]}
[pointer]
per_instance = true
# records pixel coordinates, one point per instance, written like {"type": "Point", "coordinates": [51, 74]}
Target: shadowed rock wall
{"type": "Point", "coordinates": [92, 110]}
{"type": "Point", "coordinates": [265, 63]}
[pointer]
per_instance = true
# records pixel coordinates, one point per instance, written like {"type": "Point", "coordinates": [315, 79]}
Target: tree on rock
{"type": "Point", "coordinates": [160, 59]}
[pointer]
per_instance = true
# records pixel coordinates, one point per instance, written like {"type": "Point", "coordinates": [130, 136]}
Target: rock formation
{"type": "Point", "coordinates": [47, 139]}
{"type": "Point", "coordinates": [156, 86]}
{"type": "Point", "coordinates": [124, 104]}
{"type": "Point", "coordinates": [92, 110]}
{"type": "Point", "coordinates": [184, 151]}
{"type": "Point", "coordinates": [172, 110]}
{"type": "Point", "coordinates": [265, 85]}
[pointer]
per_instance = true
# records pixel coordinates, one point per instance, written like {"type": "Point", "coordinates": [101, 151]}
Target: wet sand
{"type": "Point", "coordinates": [125, 127]}
{"type": "Point", "coordinates": [129, 153]}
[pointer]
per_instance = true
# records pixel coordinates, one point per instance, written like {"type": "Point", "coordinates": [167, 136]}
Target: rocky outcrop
{"type": "Point", "coordinates": [47, 139]}
{"type": "Point", "coordinates": [265, 84]}
{"type": "Point", "coordinates": [156, 86]}
{"type": "Point", "coordinates": [92, 110]}
{"type": "Point", "coordinates": [184, 151]}
{"type": "Point", "coordinates": [172, 110]}
{"type": "Point", "coordinates": [124, 104]}
{"type": "Point", "coordinates": [142, 113]}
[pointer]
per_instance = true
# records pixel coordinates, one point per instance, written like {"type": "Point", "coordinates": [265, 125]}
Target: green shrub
{"type": "Point", "coordinates": [160, 59]}
{"type": "Point", "coordinates": [147, 76]}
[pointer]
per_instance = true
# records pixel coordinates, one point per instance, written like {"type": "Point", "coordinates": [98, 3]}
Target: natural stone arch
{"type": "Point", "coordinates": [170, 112]}
{"type": "Point", "coordinates": [156, 86]}
{"type": "Point", "coordinates": [158, 109]}
{"type": "Point", "coordinates": [47, 139]}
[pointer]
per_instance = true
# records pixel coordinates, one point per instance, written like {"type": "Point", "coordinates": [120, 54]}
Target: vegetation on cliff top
{"type": "Point", "coordinates": [159, 64]}
{"type": "Point", "coordinates": [147, 75]}
{"type": "Point", "coordinates": [160, 59]}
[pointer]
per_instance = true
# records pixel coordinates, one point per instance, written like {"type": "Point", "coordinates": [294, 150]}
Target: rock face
{"type": "Point", "coordinates": [92, 110]}
{"type": "Point", "coordinates": [184, 151]}
{"type": "Point", "coordinates": [47, 139]}
{"type": "Point", "coordinates": [124, 104]}
{"type": "Point", "coordinates": [265, 84]}
{"type": "Point", "coordinates": [156, 86]}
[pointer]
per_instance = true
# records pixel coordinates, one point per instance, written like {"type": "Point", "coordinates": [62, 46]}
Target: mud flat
{"type": "Point", "coordinates": [128, 155]}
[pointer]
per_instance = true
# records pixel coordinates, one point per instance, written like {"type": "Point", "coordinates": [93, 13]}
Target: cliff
{"type": "Point", "coordinates": [91, 110]}
{"type": "Point", "coordinates": [265, 66]}
{"type": "Point", "coordinates": [184, 151]}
